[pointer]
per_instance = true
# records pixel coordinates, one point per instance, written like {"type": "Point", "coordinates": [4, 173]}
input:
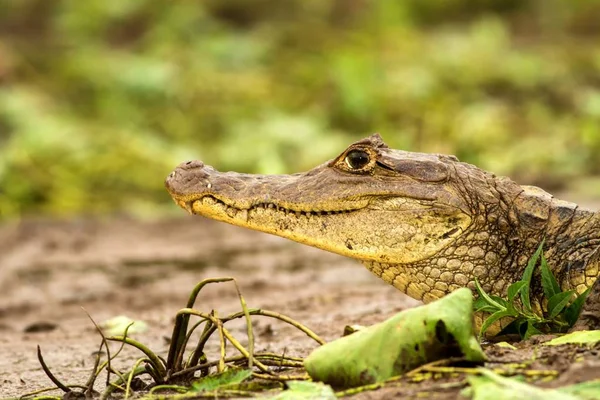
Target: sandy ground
{"type": "Point", "coordinates": [50, 270]}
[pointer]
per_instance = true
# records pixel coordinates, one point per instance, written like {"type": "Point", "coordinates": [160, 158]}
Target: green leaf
{"type": "Point", "coordinates": [121, 323]}
{"type": "Point", "coordinates": [491, 386]}
{"type": "Point", "coordinates": [500, 301]}
{"type": "Point", "coordinates": [306, 390]}
{"type": "Point", "coordinates": [487, 297]}
{"type": "Point", "coordinates": [558, 302]}
{"type": "Point", "coordinates": [574, 309]}
{"type": "Point", "coordinates": [228, 377]}
{"type": "Point", "coordinates": [518, 326]}
{"type": "Point", "coordinates": [401, 343]}
{"type": "Point", "coordinates": [531, 330]}
{"type": "Point", "coordinates": [487, 309]}
{"type": "Point", "coordinates": [528, 273]}
{"type": "Point", "coordinates": [505, 345]}
{"type": "Point", "coordinates": [479, 303]}
{"type": "Point", "coordinates": [585, 390]}
{"type": "Point", "coordinates": [515, 289]}
{"type": "Point", "coordinates": [578, 337]}
{"type": "Point", "coordinates": [549, 283]}
{"type": "Point", "coordinates": [493, 318]}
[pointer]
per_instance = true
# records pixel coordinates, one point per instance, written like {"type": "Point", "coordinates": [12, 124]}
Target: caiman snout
{"type": "Point", "coordinates": [187, 177]}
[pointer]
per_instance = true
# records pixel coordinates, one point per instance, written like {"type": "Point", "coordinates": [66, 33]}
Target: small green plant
{"type": "Point", "coordinates": [562, 309]}
{"type": "Point", "coordinates": [227, 375]}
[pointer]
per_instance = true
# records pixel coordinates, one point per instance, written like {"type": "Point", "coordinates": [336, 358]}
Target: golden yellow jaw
{"type": "Point", "coordinates": [363, 233]}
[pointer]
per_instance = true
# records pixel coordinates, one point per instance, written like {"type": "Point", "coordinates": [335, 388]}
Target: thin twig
{"type": "Point", "coordinates": [250, 331]}
{"type": "Point", "coordinates": [50, 375]}
{"type": "Point", "coordinates": [153, 358]}
{"type": "Point", "coordinates": [181, 322]}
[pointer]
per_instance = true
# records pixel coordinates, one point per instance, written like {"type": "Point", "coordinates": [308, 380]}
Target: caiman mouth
{"type": "Point", "coordinates": [232, 210]}
{"type": "Point", "coordinates": [415, 224]}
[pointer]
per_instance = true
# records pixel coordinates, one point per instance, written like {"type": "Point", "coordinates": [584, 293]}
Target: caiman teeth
{"type": "Point", "coordinates": [186, 205]}
{"type": "Point", "coordinates": [233, 211]}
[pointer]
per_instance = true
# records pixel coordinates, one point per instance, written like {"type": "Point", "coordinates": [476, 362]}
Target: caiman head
{"type": "Point", "coordinates": [425, 223]}
{"type": "Point", "coordinates": [371, 202]}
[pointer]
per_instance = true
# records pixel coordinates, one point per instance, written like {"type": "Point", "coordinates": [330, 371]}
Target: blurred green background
{"type": "Point", "coordinates": [100, 99]}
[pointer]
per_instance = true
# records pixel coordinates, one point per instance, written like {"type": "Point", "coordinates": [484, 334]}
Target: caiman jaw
{"type": "Point", "coordinates": [336, 230]}
{"type": "Point", "coordinates": [212, 207]}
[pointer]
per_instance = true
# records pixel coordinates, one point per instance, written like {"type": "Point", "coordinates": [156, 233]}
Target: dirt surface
{"type": "Point", "coordinates": [49, 270]}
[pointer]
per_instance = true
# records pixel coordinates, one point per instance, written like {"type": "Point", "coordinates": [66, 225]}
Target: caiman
{"type": "Point", "coordinates": [426, 223]}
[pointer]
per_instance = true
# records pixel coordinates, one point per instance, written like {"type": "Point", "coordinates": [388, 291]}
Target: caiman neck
{"type": "Point", "coordinates": [574, 247]}
{"type": "Point", "coordinates": [497, 247]}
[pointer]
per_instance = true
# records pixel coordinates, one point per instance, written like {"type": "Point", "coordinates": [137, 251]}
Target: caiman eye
{"type": "Point", "coordinates": [357, 159]}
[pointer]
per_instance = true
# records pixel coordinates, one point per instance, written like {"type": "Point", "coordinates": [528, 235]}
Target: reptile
{"type": "Point", "coordinates": [426, 223]}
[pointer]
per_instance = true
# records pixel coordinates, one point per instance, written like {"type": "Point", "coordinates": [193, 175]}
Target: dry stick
{"type": "Point", "coordinates": [433, 364]}
{"type": "Point", "coordinates": [199, 350]}
{"type": "Point", "coordinates": [212, 324]}
{"type": "Point", "coordinates": [294, 362]}
{"type": "Point", "coordinates": [477, 371]}
{"type": "Point", "coordinates": [242, 350]}
{"type": "Point", "coordinates": [181, 322]}
{"type": "Point", "coordinates": [282, 357]}
{"type": "Point", "coordinates": [276, 357]}
{"type": "Point", "coordinates": [180, 336]}
{"type": "Point", "coordinates": [210, 327]}
{"type": "Point", "coordinates": [412, 393]}
{"type": "Point", "coordinates": [272, 314]}
{"type": "Point", "coordinates": [215, 320]}
{"type": "Point", "coordinates": [94, 375]}
{"type": "Point", "coordinates": [360, 389]}
{"type": "Point", "coordinates": [187, 340]}
{"type": "Point", "coordinates": [130, 378]}
{"type": "Point", "coordinates": [106, 364]}
{"type": "Point", "coordinates": [250, 331]}
{"type": "Point", "coordinates": [285, 318]}
{"type": "Point", "coordinates": [54, 380]}
{"type": "Point", "coordinates": [425, 367]}
{"type": "Point", "coordinates": [229, 337]}
{"type": "Point", "coordinates": [208, 364]}
{"type": "Point", "coordinates": [153, 358]}
{"type": "Point", "coordinates": [178, 388]}
{"type": "Point", "coordinates": [303, 377]}
{"type": "Point", "coordinates": [122, 379]}
{"type": "Point", "coordinates": [48, 389]}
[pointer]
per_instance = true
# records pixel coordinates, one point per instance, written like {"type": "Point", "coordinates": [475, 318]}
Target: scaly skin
{"type": "Point", "coordinates": [427, 224]}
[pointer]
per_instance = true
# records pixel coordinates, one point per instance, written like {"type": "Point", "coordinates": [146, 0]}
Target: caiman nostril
{"type": "Point", "coordinates": [191, 164]}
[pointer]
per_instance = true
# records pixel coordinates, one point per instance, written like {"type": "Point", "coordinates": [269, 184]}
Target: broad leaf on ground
{"type": "Point", "coordinates": [491, 386]}
{"type": "Point", "coordinates": [306, 390]}
{"type": "Point", "coordinates": [409, 339]}
{"type": "Point", "coordinates": [578, 337]}
{"type": "Point", "coordinates": [232, 376]}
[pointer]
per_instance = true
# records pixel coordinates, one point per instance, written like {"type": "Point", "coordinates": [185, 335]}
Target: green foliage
{"type": "Point", "coordinates": [578, 337]}
{"type": "Point", "coordinates": [490, 386]}
{"type": "Point", "coordinates": [563, 308]}
{"type": "Point", "coordinates": [100, 99]}
{"type": "Point", "coordinates": [226, 379]}
{"type": "Point", "coordinates": [399, 344]}
{"type": "Point", "coordinates": [298, 390]}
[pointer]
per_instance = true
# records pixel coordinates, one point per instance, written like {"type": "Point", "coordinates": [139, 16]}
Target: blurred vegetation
{"type": "Point", "coordinates": [100, 99]}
